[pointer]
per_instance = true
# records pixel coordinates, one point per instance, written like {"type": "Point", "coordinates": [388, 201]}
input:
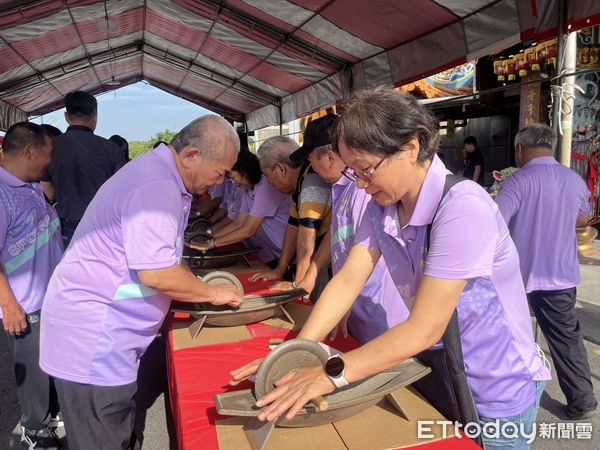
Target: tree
{"type": "Point", "coordinates": [138, 148]}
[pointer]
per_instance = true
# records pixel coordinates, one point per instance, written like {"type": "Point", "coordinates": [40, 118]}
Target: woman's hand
{"type": "Point", "coordinates": [239, 375]}
{"type": "Point", "coordinates": [282, 286]}
{"type": "Point", "coordinates": [202, 247]}
{"type": "Point", "coordinates": [267, 275]}
{"type": "Point", "coordinates": [294, 390]}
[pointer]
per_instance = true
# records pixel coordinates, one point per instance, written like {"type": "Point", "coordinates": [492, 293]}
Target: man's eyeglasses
{"type": "Point", "coordinates": [365, 175]}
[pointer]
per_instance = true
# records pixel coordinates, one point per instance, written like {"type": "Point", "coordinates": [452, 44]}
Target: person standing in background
{"type": "Point", "coordinates": [542, 204]}
{"type": "Point", "coordinates": [473, 159]}
{"type": "Point", "coordinates": [30, 249]}
{"type": "Point", "coordinates": [81, 162]}
{"type": "Point", "coordinates": [123, 145]}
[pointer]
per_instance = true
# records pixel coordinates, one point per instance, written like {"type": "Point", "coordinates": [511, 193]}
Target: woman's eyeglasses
{"type": "Point", "coordinates": [365, 175]}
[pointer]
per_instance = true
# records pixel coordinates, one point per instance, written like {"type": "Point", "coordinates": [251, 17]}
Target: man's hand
{"type": "Point", "coordinates": [283, 286]}
{"type": "Point", "coordinates": [226, 295]}
{"type": "Point", "coordinates": [14, 319]}
{"type": "Point", "coordinates": [241, 374]}
{"type": "Point", "coordinates": [202, 247]}
{"type": "Point", "coordinates": [267, 275]}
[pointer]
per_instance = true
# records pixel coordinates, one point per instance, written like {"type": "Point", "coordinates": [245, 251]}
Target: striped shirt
{"type": "Point", "coordinates": [311, 207]}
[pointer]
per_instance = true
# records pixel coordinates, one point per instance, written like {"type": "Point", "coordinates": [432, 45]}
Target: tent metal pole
{"type": "Point", "coordinates": [567, 102]}
{"type": "Point", "coordinates": [280, 109]}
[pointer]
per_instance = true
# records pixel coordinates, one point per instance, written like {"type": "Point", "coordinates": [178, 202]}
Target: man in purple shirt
{"type": "Point", "coordinates": [263, 213]}
{"type": "Point", "coordinates": [110, 293]}
{"type": "Point", "coordinates": [542, 204]}
{"type": "Point", "coordinates": [30, 249]}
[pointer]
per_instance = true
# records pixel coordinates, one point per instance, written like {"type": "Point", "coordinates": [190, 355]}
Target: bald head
{"type": "Point", "coordinates": [212, 134]}
{"type": "Point", "coordinates": [275, 150]}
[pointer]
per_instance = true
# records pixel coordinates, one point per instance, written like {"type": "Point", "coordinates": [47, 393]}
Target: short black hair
{"type": "Point", "coordinates": [22, 135]}
{"type": "Point", "coordinates": [157, 143]}
{"type": "Point", "coordinates": [123, 145]}
{"type": "Point", "coordinates": [81, 104]}
{"type": "Point", "coordinates": [51, 130]}
{"type": "Point", "coordinates": [119, 140]}
{"type": "Point", "coordinates": [470, 140]}
{"type": "Point", "coordinates": [248, 165]}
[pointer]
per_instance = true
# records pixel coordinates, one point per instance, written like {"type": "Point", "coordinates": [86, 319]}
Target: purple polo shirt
{"type": "Point", "coordinates": [30, 241]}
{"type": "Point", "coordinates": [98, 319]}
{"type": "Point", "coordinates": [232, 199]}
{"type": "Point", "coordinates": [378, 307]}
{"type": "Point", "coordinates": [218, 190]}
{"type": "Point", "coordinates": [469, 241]}
{"type": "Point", "coordinates": [267, 203]}
{"type": "Point", "coordinates": [541, 203]}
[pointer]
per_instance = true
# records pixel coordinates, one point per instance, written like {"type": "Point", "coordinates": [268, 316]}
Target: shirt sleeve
{"type": "Point", "coordinates": [584, 202]}
{"type": "Point", "coordinates": [3, 223]}
{"type": "Point", "coordinates": [218, 190]}
{"type": "Point", "coordinates": [365, 232]}
{"type": "Point", "coordinates": [244, 204]}
{"type": "Point", "coordinates": [463, 238]}
{"type": "Point", "coordinates": [315, 201]}
{"type": "Point", "coordinates": [266, 200]}
{"type": "Point", "coordinates": [149, 225]}
{"type": "Point", "coordinates": [509, 198]}
{"type": "Point", "coordinates": [477, 158]}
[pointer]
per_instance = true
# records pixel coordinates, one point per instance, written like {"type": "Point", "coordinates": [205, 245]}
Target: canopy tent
{"type": "Point", "coordinates": [261, 62]}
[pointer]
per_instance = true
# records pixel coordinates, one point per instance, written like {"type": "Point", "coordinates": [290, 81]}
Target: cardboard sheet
{"type": "Point", "coordinates": [208, 335]}
{"type": "Point", "coordinates": [297, 311]}
{"type": "Point", "coordinates": [381, 427]}
{"type": "Point", "coordinates": [231, 436]}
{"type": "Point", "coordinates": [377, 428]}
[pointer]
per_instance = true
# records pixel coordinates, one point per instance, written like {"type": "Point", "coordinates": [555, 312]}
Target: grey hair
{"type": "Point", "coordinates": [381, 121]}
{"type": "Point", "coordinates": [275, 150]}
{"type": "Point", "coordinates": [535, 136]}
{"type": "Point", "coordinates": [321, 150]}
{"type": "Point", "coordinates": [211, 134]}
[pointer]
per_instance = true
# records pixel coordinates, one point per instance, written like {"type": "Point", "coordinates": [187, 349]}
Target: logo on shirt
{"type": "Point", "coordinates": [17, 248]}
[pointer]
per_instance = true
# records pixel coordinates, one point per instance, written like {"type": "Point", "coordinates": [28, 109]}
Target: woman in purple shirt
{"type": "Point", "coordinates": [388, 143]}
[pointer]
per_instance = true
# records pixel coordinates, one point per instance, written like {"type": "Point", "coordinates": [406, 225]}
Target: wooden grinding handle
{"type": "Point", "coordinates": [320, 403]}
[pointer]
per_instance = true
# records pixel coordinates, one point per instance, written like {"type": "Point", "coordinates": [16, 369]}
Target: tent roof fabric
{"type": "Point", "coordinates": [258, 61]}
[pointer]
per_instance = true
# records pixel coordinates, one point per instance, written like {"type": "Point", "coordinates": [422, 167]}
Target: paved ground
{"type": "Point", "coordinates": [157, 433]}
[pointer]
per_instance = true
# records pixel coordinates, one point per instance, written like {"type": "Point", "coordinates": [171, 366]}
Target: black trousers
{"type": "Point", "coordinates": [555, 314]}
{"type": "Point", "coordinates": [97, 417]}
{"type": "Point", "coordinates": [33, 385]}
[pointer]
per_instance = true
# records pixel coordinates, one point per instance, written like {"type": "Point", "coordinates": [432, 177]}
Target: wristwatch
{"type": "Point", "coordinates": [335, 369]}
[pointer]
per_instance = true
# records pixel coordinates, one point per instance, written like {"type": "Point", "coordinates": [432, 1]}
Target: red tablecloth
{"type": "Point", "coordinates": [197, 374]}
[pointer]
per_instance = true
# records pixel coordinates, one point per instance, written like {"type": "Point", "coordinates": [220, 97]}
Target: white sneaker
{"type": "Point", "coordinates": [45, 438]}
{"type": "Point", "coordinates": [56, 422]}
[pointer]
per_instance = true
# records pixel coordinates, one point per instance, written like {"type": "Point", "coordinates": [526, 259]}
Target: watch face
{"type": "Point", "coordinates": [334, 366]}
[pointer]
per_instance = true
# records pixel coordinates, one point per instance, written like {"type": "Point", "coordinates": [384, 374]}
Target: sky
{"type": "Point", "coordinates": [135, 112]}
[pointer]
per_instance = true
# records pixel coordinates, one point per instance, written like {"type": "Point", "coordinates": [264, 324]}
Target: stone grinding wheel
{"type": "Point", "coordinates": [199, 238]}
{"type": "Point", "coordinates": [288, 356]}
{"type": "Point", "coordinates": [220, 277]}
{"type": "Point", "coordinates": [199, 225]}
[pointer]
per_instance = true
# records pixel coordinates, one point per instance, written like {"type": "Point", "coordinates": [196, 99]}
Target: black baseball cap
{"type": "Point", "coordinates": [317, 134]}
